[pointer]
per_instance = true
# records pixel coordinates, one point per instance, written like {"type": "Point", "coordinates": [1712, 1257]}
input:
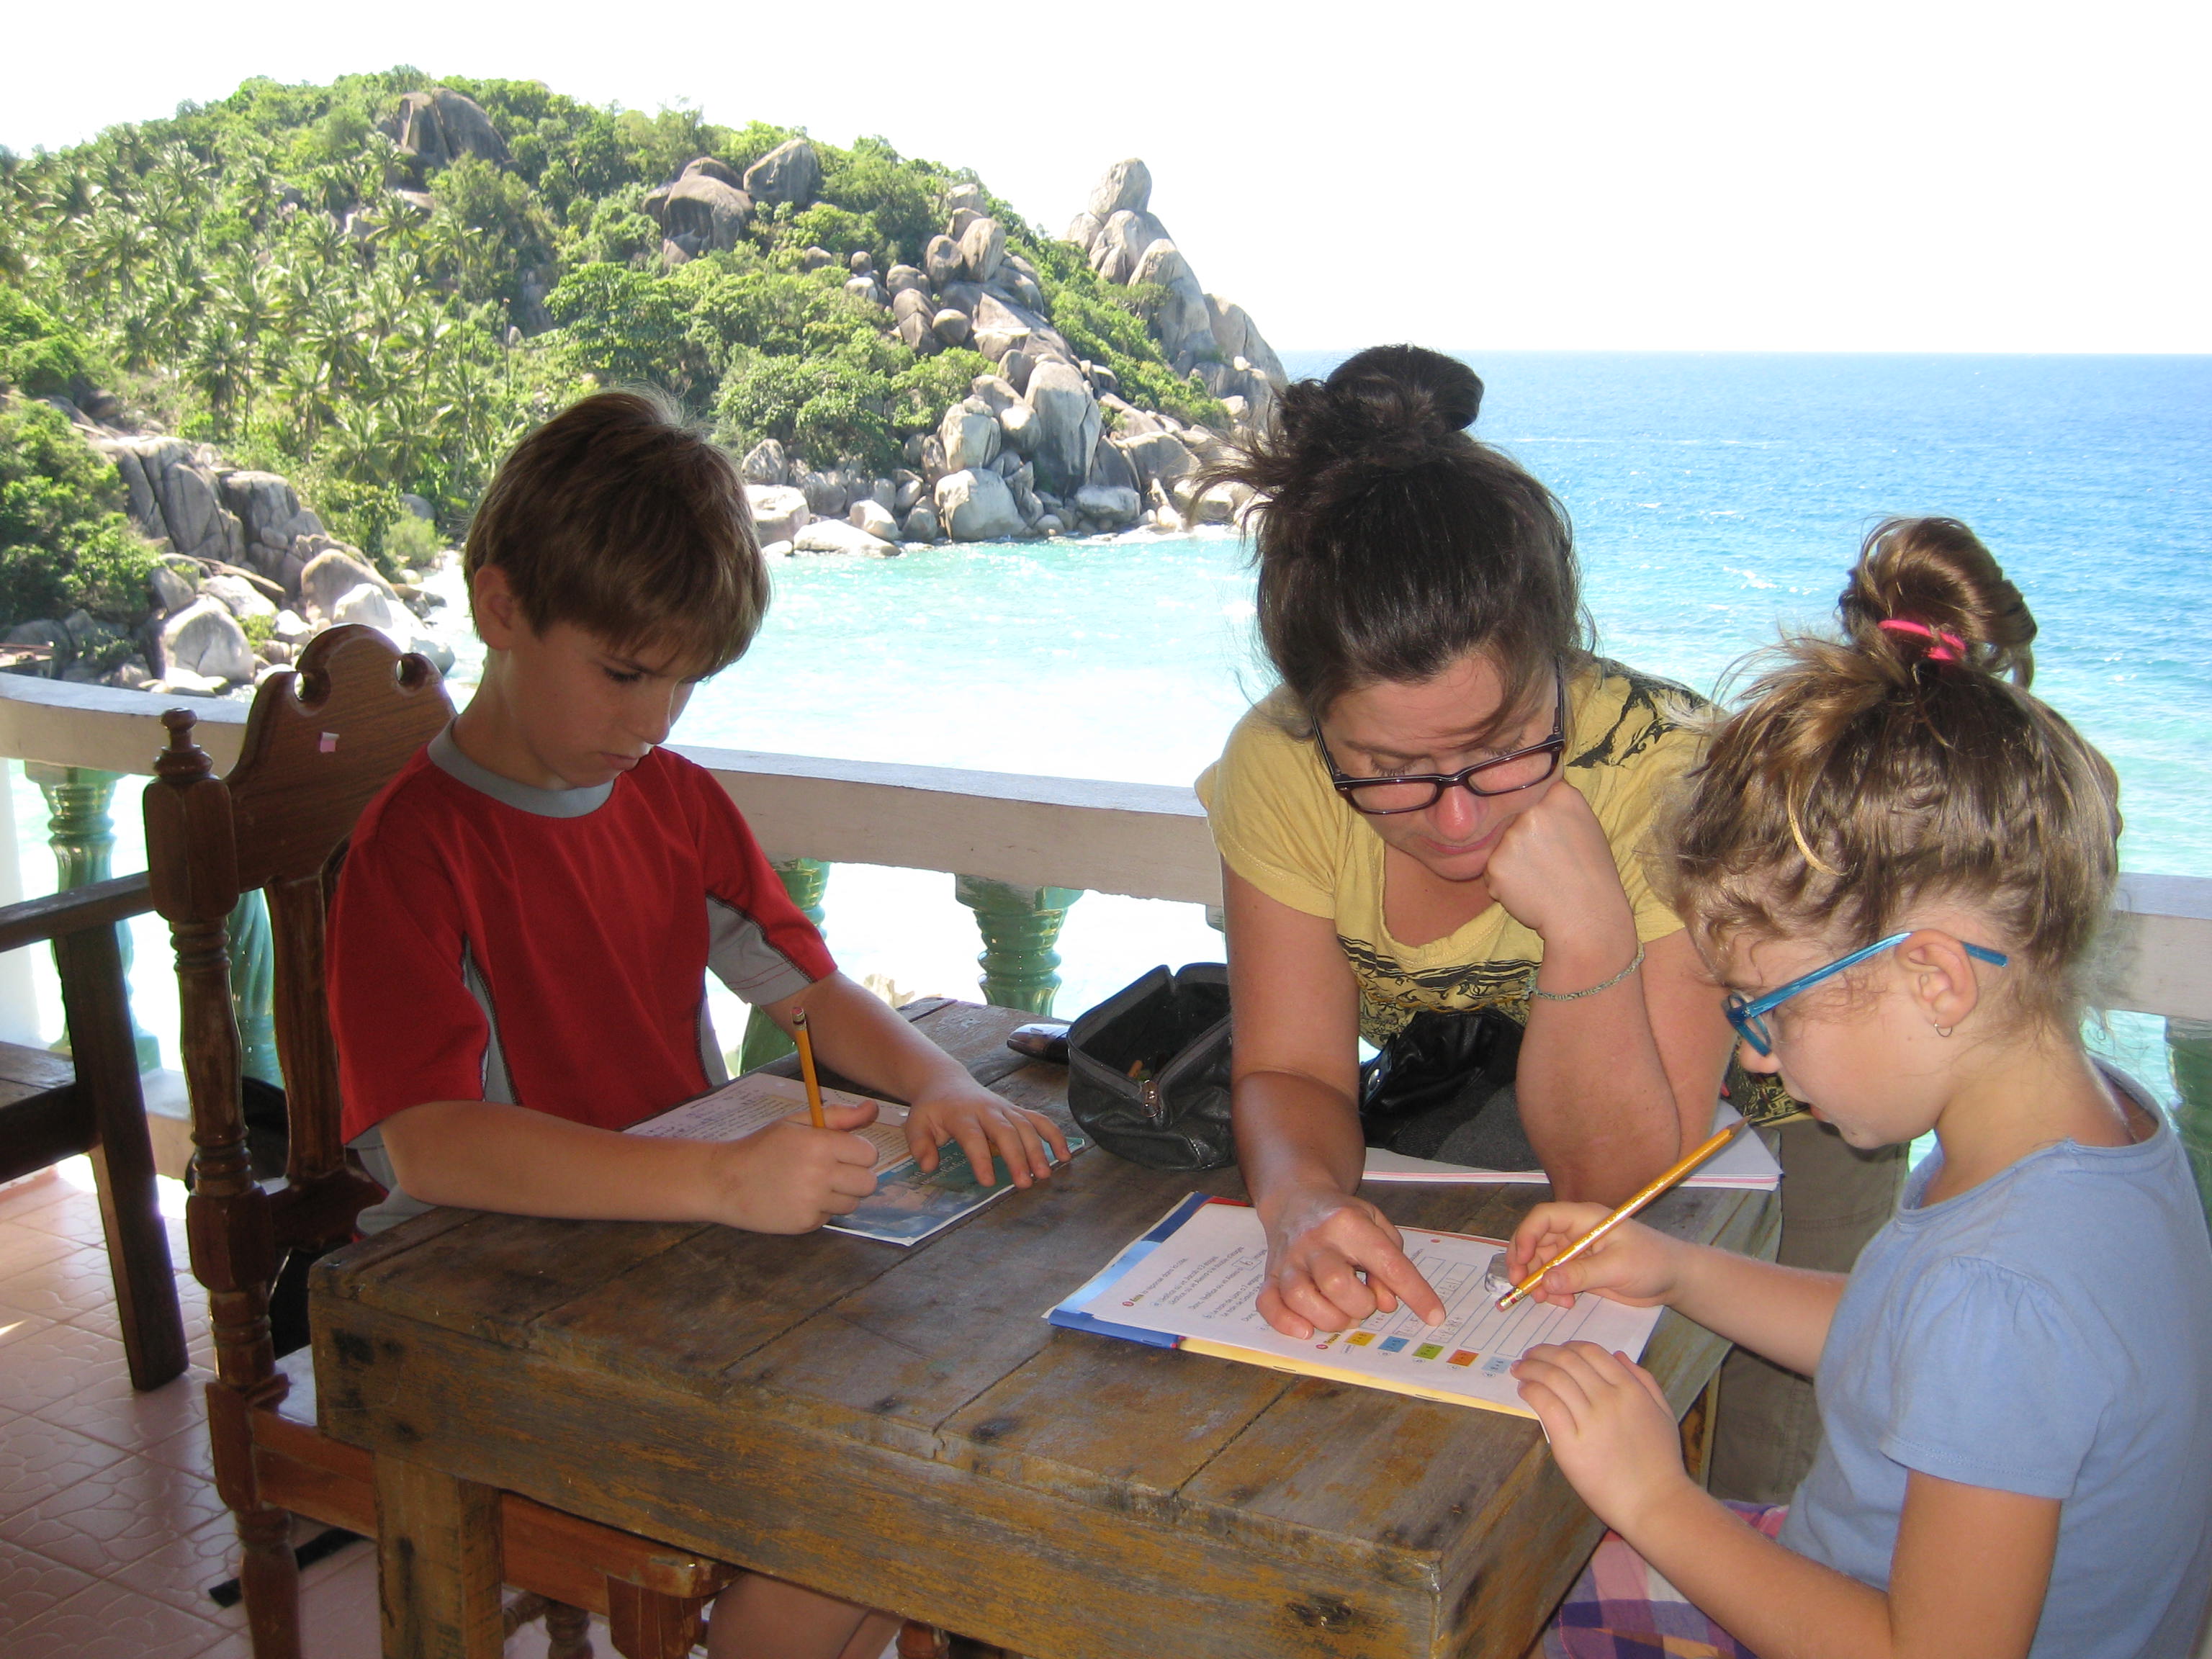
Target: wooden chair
{"type": "Point", "coordinates": [319, 745]}
{"type": "Point", "coordinates": [53, 1107]}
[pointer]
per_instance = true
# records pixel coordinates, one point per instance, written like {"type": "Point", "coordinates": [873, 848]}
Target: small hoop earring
{"type": "Point", "coordinates": [1945, 1031]}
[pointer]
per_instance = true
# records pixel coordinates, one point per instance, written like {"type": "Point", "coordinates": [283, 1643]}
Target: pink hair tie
{"type": "Point", "coordinates": [1943, 644]}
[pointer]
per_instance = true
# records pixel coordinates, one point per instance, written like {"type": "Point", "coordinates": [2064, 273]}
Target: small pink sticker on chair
{"type": "Point", "coordinates": [330, 743]}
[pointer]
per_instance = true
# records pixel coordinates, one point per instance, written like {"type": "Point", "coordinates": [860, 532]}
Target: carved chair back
{"type": "Point", "coordinates": [320, 742]}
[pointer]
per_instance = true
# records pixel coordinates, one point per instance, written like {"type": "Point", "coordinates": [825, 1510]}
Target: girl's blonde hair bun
{"type": "Point", "coordinates": [1901, 764]}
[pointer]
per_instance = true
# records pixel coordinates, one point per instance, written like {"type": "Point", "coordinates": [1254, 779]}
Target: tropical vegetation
{"type": "Point", "coordinates": [271, 273]}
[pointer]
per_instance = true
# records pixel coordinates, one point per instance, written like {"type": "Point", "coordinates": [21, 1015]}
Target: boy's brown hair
{"type": "Point", "coordinates": [1906, 764]}
{"type": "Point", "coordinates": [616, 517]}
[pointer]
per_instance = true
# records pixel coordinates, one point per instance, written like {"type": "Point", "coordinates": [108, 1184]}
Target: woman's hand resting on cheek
{"type": "Point", "coordinates": [1610, 1427]}
{"type": "Point", "coordinates": [1553, 871]}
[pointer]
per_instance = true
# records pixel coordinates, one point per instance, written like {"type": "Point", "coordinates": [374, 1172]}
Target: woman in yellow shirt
{"type": "Point", "coordinates": [1432, 837]}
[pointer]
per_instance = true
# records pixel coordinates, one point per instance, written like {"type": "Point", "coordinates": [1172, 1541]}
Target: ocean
{"type": "Point", "coordinates": [1716, 499]}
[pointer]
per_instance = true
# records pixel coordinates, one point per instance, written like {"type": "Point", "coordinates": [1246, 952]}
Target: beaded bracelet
{"type": "Point", "coordinates": [1577, 996]}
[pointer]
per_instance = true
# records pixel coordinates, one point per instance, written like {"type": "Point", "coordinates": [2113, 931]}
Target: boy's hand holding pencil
{"type": "Point", "coordinates": [789, 1177]}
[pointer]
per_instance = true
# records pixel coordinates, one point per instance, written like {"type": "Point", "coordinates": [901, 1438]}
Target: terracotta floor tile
{"type": "Point", "coordinates": [66, 1287]}
{"type": "Point", "coordinates": [199, 1335]}
{"type": "Point", "coordinates": [31, 1585]}
{"type": "Point", "coordinates": [110, 1621]}
{"type": "Point", "coordinates": [182, 1569]}
{"type": "Point", "coordinates": [45, 1365]}
{"type": "Point", "coordinates": [114, 1515]}
{"type": "Point", "coordinates": [33, 1191]}
{"type": "Point", "coordinates": [188, 1450]}
{"type": "Point", "coordinates": [23, 1247]}
{"type": "Point", "coordinates": [106, 1407]}
{"type": "Point", "coordinates": [15, 1327]}
{"type": "Point", "coordinates": [71, 1215]}
{"type": "Point", "coordinates": [38, 1460]}
{"type": "Point", "coordinates": [338, 1612]}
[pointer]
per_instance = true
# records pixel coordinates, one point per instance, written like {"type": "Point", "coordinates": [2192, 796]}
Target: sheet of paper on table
{"type": "Point", "coordinates": [1743, 1164]}
{"type": "Point", "coordinates": [910, 1203]}
{"type": "Point", "coordinates": [1192, 1282]}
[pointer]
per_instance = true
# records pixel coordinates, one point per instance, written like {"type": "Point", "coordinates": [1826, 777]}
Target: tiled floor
{"type": "Point", "coordinates": [110, 1529]}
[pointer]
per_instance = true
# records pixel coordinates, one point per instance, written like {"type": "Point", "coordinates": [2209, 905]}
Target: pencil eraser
{"type": "Point", "coordinates": [1493, 1277]}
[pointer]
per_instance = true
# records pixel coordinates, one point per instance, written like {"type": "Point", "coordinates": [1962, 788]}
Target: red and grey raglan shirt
{"type": "Point", "coordinates": [547, 948]}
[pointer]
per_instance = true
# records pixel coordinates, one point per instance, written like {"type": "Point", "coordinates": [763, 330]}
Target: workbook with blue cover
{"type": "Point", "coordinates": [910, 1203]}
{"type": "Point", "coordinates": [1192, 1280]}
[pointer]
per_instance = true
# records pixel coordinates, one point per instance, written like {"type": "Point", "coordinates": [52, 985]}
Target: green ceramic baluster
{"type": "Point", "coordinates": [254, 986]}
{"type": "Point", "coordinates": [2190, 1043]}
{"type": "Point", "coordinates": [1020, 926]}
{"type": "Point", "coordinates": [806, 880]}
{"type": "Point", "coordinates": [82, 835]}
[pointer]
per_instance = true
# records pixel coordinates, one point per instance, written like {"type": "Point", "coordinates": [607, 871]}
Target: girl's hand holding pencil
{"type": "Point", "coordinates": [1631, 1264]}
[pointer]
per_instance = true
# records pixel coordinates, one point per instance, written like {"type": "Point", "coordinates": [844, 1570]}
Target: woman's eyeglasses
{"type": "Point", "coordinates": [1524, 768]}
{"type": "Point", "coordinates": [1748, 1016]}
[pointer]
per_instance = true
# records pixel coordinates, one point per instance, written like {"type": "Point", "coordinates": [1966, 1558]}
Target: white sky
{"type": "Point", "coordinates": [1939, 176]}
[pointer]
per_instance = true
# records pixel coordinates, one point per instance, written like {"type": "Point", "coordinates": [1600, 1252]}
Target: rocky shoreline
{"type": "Point", "coordinates": [245, 577]}
{"type": "Point", "coordinates": [1047, 446]}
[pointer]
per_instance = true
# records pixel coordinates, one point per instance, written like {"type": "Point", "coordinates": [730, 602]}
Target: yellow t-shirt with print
{"type": "Point", "coordinates": [1279, 824]}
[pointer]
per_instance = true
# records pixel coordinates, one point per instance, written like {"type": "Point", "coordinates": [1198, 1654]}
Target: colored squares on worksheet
{"type": "Point", "coordinates": [1359, 1338]}
{"type": "Point", "coordinates": [1427, 1351]}
{"type": "Point", "coordinates": [1392, 1344]}
{"type": "Point", "coordinates": [1464, 1356]}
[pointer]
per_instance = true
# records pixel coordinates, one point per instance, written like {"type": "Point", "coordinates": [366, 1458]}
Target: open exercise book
{"type": "Point", "coordinates": [909, 1204]}
{"type": "Point", "coordinates": [1191, 1283]}
{"type": "Point", "coordinates": [1744, 1163]}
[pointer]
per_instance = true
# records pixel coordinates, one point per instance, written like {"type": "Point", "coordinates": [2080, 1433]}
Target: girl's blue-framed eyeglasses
{"type": "Point", "coordinates": [1748, 1015]}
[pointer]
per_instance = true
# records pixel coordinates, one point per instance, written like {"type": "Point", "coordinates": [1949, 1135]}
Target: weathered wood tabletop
{"type": "Point", "coordinates": [902, 1427]}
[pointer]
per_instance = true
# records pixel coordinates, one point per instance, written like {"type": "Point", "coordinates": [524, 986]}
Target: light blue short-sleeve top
{"type": "Point", "coordinates": [2047, 1332]}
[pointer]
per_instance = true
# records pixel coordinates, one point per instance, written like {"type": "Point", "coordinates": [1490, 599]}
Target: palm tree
{"type": "Point", "coordinates": [222, 371]}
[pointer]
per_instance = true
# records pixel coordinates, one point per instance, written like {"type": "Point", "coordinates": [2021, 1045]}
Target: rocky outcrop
{"type": "Point", "coordinates": [435, 128]}
{"type": "Point", "coordinates": [205, 639]}
{"type": "Point", "coordinates": [780, 512]}
{"type": "Point", "coordinates": [1126, 185]}
{"type": "Point", "coordinates": [836, 536]}
{"type": "Point", "coordinates": [976, 505]}
{"type": "Point", "coordinates": [1028, 452]}
{"type": "Point", "coordinates": [765, 463]}
{"type": "Point", "coordinates": [1126, 244]}
{"type": "Point", "coordinates": [1068, 422]}
{"type": "Point", "coordinates": [702, 210]}
{"type": "Point", "coordinates": [184, 496]}
{"type": "Point", "coordinates": [970, 434]}
{"type": "Point", "coordinates": [873, 517]}
{"type": "Point", "coordinates": [790, 172]}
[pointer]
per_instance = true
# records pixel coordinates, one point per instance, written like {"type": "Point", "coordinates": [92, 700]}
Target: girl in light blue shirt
{"type": "Point", "coordinates": [1896, 861]}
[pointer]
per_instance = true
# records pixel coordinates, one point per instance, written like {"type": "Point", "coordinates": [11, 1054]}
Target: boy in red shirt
{"type": "Point", "coordinates": [526, 915]}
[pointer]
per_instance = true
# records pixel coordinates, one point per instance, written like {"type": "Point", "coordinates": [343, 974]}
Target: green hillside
{"type": "Point", "coordinates": [374, 300]}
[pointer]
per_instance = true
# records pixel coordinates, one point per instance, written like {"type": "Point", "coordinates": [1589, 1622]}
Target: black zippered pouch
{"type": "Point", "coordinates": [1148, 1069]}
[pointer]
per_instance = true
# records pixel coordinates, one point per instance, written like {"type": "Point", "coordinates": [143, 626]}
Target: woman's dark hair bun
{"type": "Point", "coordinates": [1385, 409]}
{"type": "Point", "coordinates": [1404, 385]}
{"type": "Point", "coordinates": [1392, 542]}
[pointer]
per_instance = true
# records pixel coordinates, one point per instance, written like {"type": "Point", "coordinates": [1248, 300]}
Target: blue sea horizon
{"type": "Point", "coordinates": [1718, 498]}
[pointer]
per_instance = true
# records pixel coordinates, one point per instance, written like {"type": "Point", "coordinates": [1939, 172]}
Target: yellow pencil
{"type": "Point", "coordinates": [1659, 1185]}
{"type": "Point", "coordinates": [806, 1067]}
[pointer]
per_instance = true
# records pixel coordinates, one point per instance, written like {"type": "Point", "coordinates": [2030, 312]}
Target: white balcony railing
{"type": "Point", "coordinates": [1142, 840]}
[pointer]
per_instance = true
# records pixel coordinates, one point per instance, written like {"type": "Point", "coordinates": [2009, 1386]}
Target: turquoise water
{"type": "Point", "coordinates": [1715, 497]}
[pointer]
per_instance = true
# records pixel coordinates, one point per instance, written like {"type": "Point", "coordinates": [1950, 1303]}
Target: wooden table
{"type": "Point", "coordinates": [901, 1426]}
